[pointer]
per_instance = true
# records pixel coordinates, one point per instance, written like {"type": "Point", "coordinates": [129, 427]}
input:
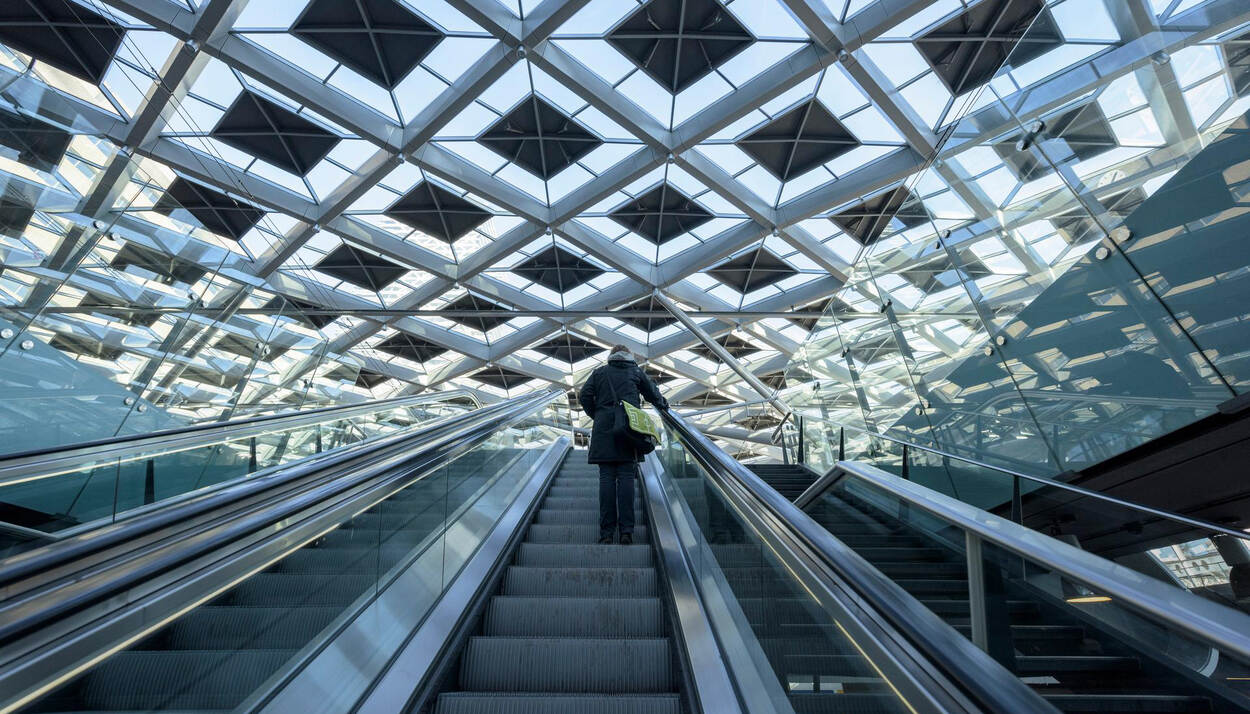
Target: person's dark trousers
{"type": "Point", "coordinates": [616, 498]}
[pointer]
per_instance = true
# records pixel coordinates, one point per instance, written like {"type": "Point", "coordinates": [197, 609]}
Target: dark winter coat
{"type": "Point", "coordinates": [596, 399]}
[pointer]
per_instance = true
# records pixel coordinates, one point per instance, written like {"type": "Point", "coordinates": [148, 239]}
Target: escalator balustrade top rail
{"type": "Point", "coordinates": [28, 465]}
{"type": "Point", "coordinates": [1220, 627]}
{"type": "Point", "coordinates": [988, 684]}
{"type": "Point", "coordinates": [1197, 523]}
{"type": "Point", "coordinates": [281, 487]}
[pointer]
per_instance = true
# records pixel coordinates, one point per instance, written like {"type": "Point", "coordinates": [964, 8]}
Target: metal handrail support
{"type": "Point", "coordinates": [1213, 624]}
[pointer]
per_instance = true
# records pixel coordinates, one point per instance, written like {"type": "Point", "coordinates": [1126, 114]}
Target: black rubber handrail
{"type": "Point", "coordinates": [231, 424]}
{"type": "Point", "coordinates": [60, 552]}
{"type": "Point", "coordinates": [984, 680]}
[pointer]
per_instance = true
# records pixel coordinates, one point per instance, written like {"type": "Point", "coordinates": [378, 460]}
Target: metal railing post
{"type": "Point", "coordinates": [1017, 504]}
{"type": "Point", "coordinates": [251, 454]}
{"type": "Point", "coordinates": [149, 482]}
{"type": "Point", "coordinates": [801, 454]}
{"type": "Point", "coordinates": [976, 591]}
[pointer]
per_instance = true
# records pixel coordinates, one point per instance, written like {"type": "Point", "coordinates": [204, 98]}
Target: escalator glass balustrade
{"type": "Point", "coordinates": [794, 643]}
{"type": "Point", "coordinates": [240, 645]}
{"type": "Point", "coordinates": [63, 491]}
{"type": "Point", "coordinates": [1138, 643]}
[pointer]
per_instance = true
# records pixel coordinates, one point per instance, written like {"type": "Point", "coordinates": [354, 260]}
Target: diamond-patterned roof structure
{"type": "Point", "coordinates": [661, 214]}
{"type": "Point", "coordinates": [967, 50]}
{"type": "Point", "coordinates": [752, 270]}
{"type": "Point", "coordinates": [438, 212]}
{"type": "Point", "coordinates": [271, 132]}
{"type": "Point", "coordinates": [381, 39]}
{"type": "Point", "coordinates": [798, 141]}
{"type": "Point", "coordinates": [558, 269]}
{"type": "Point", "coordinates": [539, 137]}
{"type": "Point", "coordinates": [66, 35]}
{"type": "Point", "coordinates": [678, 42]}
{"type": "Point", "coordinates": [360, 268]}
{"type": "Point", "coordinates": [217, 212]}
{"type": "Point", "coordinates": [392, 196]}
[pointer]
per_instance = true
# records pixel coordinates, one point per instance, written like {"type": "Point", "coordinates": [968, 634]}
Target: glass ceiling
{"type": "Point", "coordinates": [243, 202]}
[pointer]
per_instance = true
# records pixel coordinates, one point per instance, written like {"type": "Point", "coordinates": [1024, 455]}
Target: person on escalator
{"type": "Point", "coordinates": [619, 380]}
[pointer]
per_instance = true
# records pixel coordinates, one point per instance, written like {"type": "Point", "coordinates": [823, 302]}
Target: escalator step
{"type": "Point", "coordinates": [580, 582]}
{"type": "Point", "coordinates": [934, 588]}
{"type": "Point", "coordinates": [1117, 703]}
{"type": "Point", "coordinates": [952, 571]}
{"type": "Point", "coordinates": [548, 516]}
{"type": "Point", "coordinates": [482, 703]}
{"type": "Point", "coordinates": [539, 533]}
{"type": "Point", "coordinates": [582, 504]}
{"type": "Point", "coordinates": [574, 617]}
{"type": "Point", "coordinates": [357, 559]}
{"type": "Point", "coordinates": [848, 703]}
{"type": "Point", "coordinates": [1048, 632]}
{"type": "Point", "coordinates": [558, 555]}
{"type": "Point", "coordinates": [590, 490]}
{"type": "Point", "coordinates": [297, 589]}
{"type": "Point", "coordinates": [522, 664]}
{"type": "Point", "coordinates": [954, 607]}
{"type": "Point", "coordinates": [1093, 664]}
{"type": "Point", "coordinates": [188, 679]}
{"type": "Point", "coordinates": [902, 555]}
{"type": "Point", "coordinates": [236, 628]}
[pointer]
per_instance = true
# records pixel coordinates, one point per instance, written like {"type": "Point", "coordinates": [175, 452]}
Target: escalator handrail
{"type": "Point", "coordinates": [61, 552]}
{"type": "Point", "coordinates": [983, 679]}
{"type": "Point", "coordinates": [25, 465]}
{"type": "Point", "coordinates": [1221, 627]}
{"type": "Point", "coordinates": [1197, 523]}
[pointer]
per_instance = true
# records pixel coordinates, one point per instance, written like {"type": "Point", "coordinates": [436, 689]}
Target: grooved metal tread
{"type": "Point", "coordinates": [574, 617]}
{"type": "Point", "coordinates": [569, 533]}
{"type": "Point", "coordinates": [571, 665]}
{"type": "Point", "coordinates": [577, 625]}
{"type": "Point", "coordinates": [552, 703]}
{"type": "Point", "coordinates": [580, 582]}
{"type": "Point", "coordinates": [554, 555]}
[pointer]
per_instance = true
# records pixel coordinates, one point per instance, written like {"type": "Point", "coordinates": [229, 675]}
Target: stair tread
{"type": "Point", "coordinates": [572, 665]}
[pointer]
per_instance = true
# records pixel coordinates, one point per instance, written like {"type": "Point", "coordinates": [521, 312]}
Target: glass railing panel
{"type": "Point", "coordinates": [57, 501]}
{"type": "Point", "coordinates": [263, 630]}
{"type": "Point", "coordinates": [788, 634]}
{"type": "Point", "coordinates": [1023, 594]}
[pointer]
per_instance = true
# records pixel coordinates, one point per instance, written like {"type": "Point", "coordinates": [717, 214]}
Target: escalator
{"type": "Point", "coordinates": [450, 567]}
{"type": "Point", "coordinates": [591, 614]}
{"type": "Point", "coordinates": [221, 652]}
{"type": "Point", "coordinates": [1072, 663]}
{"type": "Point", "coordinates": [225, 597]}
{"type": "Point", "coordinates": [1063, 643]}
{"type": "Point", "coordinates": [453, 567]}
